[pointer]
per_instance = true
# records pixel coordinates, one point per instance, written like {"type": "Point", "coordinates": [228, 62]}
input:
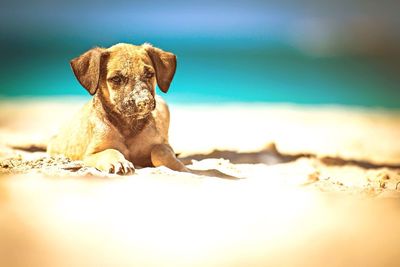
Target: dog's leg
{"type": "Point", "coordinates": [164, 155]}
{"type": "Point", "coordinates": [110, 160]}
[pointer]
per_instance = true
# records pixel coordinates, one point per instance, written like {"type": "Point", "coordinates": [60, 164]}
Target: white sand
{"type": "Point", "coordinates": [302, 211]}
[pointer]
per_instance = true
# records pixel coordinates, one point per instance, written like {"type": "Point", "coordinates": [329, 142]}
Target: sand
{"type": "Point", "coordinates": [319, 186]}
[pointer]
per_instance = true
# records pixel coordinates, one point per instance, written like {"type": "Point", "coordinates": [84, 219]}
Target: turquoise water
{"type": "Point", "coordinates": [228, 51]}
{"type": "Point", "coordinates": [230, 75]}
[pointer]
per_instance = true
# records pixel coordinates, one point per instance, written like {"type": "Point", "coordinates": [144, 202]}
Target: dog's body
{"type": "Point", "coordinates": [124, 123]}
{"type": "Point", "coordinates": [88, 132]}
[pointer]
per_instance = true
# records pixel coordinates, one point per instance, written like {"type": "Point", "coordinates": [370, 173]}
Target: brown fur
{"type": "Point", "coordinates": [124, 123]}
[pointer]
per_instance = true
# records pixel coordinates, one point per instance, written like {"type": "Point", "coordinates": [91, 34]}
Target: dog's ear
{"type": "Point", "coordinates": [164, 64]}
{"type": "Point", "coordinates": [86, 68]}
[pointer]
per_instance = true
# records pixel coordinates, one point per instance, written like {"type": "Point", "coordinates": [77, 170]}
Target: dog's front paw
{"type": "Point", "coordinates": [122, 167]}
{"type": "Point", "coordinates": [111, 161]}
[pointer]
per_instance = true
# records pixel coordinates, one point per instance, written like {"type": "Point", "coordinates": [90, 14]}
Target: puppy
{"type": "Point", "coordinates": [125, 123]}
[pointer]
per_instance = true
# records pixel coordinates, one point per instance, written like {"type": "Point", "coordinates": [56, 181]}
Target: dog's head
{"type": "Point", "coordinates": [125, 76]}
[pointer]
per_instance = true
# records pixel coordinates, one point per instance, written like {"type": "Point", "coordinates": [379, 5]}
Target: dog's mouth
{"type": "Point", "coordinates": [137, 108]}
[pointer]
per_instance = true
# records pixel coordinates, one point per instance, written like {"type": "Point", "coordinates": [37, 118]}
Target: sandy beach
{"type": "Point", "coordinates": [320, 186]}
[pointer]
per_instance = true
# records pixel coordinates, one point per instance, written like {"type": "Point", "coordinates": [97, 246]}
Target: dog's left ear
{"type": "Point", "coordinates": [86, 68]}
{"type": "Point", "coordinates": [164, 64]}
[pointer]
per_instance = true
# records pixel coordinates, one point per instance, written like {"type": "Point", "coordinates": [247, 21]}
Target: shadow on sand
{"type": "Point", "coordinates": [270, 155]}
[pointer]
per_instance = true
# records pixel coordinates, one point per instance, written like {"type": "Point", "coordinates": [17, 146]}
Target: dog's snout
{"type": "Point", "coordinates": [143, 100]}
{"type": "Point", "coordinates": [142, 103]}
{"type": "Point", "coordinates": [139, 101]}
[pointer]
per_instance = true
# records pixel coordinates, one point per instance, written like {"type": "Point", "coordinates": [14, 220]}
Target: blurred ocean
{"type": "Point", "coordinates": [303, 52]}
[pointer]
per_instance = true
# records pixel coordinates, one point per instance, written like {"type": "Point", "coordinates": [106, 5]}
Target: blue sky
{"type": "Point", "coordinates": [304, 51]}
{"type": "Point", "coordinates": [256, 20]}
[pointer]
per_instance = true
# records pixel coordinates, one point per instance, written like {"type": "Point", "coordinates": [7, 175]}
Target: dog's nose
{"type": "Point", "coordinates": [142, 103]}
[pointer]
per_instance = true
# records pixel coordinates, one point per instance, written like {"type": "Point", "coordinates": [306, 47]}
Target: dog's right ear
{"type": "Point", "coordinates": [86, 68]}
{"type": "Point", "coordinates": [164, 64]}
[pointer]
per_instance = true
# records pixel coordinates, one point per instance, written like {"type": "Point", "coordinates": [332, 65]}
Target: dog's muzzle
{"type": "Point", "coordinates": [142, 104]}
{"type": "Point", "coordinates": [139, 102]}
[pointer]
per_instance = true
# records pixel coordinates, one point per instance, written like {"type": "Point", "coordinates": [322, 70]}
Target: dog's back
{"type": "Point", "coordinates": [74, 136]}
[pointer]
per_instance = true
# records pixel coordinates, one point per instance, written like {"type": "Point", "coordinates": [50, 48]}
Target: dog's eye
{"type": "Point", "coordinates": [116, 79]}
{"type": "Point", "coordinates": [149, 75]}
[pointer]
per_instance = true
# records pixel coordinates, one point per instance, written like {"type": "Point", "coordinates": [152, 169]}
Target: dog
{"type": "Point", "coordinates": [125, 124]}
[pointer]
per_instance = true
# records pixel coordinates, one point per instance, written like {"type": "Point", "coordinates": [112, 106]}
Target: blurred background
{"type": "Point", "coordinates": [304, 51]}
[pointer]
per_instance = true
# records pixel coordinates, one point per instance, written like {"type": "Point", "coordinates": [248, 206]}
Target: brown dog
{"type": "Point", "coordinates": [125, 123]}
